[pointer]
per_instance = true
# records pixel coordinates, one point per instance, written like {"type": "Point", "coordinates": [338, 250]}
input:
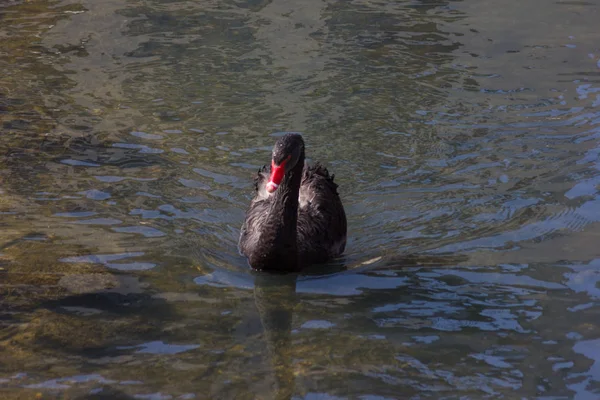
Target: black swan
{"type": "Point", "coordinates": [297, 217]}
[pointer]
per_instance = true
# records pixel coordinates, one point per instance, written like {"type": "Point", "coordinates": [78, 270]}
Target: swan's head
{"type": "Point", "coordinates": [286, 153]}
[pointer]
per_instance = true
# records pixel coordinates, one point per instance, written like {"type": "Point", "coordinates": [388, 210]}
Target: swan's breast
{"type": "Point", "coordinates": [306, 197]}
{"type": "Point", "coordinates": [262, 193]}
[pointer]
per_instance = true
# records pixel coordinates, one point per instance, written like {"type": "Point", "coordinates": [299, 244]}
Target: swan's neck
{"type": "Point", "coordinates": [281, 238]}
{"type": "Point", "coordinates": [284, 205]}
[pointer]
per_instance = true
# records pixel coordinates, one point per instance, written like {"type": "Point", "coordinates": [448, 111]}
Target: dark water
{"type": "Point", "coordinates": [464, 136]}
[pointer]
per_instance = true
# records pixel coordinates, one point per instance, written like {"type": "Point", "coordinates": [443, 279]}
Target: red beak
{"type": "Point", "coordinates": [277, 173]}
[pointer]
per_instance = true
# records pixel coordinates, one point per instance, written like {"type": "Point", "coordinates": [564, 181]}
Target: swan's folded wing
{"type": "Point", "coordinates": [250, 232]}
{"type": "Point", "coordinates": [260, 182]}
{"type": "Point", "coordinates": [321, 219]}
{"type": "Point", "coordinates": [318, 173]}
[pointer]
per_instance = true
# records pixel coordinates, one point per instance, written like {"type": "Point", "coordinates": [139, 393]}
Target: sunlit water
{"type": "Point", "coordinates": [465, 140]}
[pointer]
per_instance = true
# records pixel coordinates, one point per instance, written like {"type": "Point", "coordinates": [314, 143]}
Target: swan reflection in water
{"type": "Point", "coordinates": [278, 296]}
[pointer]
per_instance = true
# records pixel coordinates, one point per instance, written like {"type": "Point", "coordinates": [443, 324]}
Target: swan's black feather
{"type": "Point", "coordinates": [268, 238]}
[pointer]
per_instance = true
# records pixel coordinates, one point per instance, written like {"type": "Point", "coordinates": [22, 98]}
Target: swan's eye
{"type": "Point", "coordinates": [281, 158]}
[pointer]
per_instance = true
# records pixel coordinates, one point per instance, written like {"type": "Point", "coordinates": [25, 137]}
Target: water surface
{"type": "Point", "coordinates": [464, 137]}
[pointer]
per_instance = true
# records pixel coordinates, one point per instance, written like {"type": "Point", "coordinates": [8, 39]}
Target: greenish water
{"type": "Point", "coordinates": [464, 136]}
